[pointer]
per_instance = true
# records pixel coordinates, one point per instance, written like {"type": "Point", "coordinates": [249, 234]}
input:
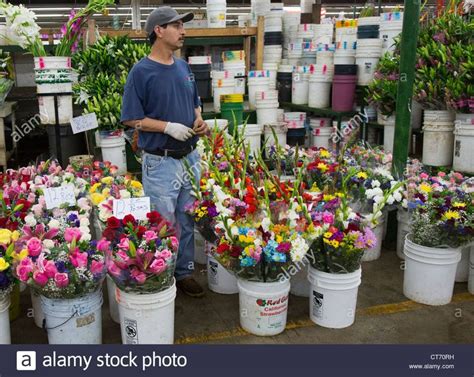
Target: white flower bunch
{"type": "Point", "coordinates": [299, 248]}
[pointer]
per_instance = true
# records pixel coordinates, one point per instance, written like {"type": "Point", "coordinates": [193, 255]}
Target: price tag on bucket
{"type": "Point", "coordinates": [137, 207]}
{"type": "Point", "coordinates": [84, 123]}
{"type": "Point", "coordinates": [57, 196]}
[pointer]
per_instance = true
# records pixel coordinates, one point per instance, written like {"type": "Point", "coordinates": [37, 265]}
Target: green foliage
{"type": "Point", "coordinates": [103, 69]}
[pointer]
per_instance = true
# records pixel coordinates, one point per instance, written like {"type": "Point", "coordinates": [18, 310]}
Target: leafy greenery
{"type": "Point", "coordinates": [103, 70]}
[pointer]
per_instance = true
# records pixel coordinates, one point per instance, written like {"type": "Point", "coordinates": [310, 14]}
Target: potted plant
{"type": "Point", "coordinates": [141, 258]}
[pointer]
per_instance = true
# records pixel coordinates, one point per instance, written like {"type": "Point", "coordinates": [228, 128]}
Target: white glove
{"type": "Point", "coordinates": [179, 131]}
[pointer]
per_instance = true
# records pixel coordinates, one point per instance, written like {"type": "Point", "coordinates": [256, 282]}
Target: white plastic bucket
{"type": "Point", "coordinates": [366, 65]}
{"type": "Point", "coordinates": [5, 337]}
{"type": "Point", "coordinates": [321, 137]}
{"type": "Point", "coordinates": [300, 88]}
{"type": "Point", "coordinates": [300, 285]}
{"type": "Point", "coordinates": [206, 59]}
{"type": "Point", "coordinates": [429, 273]}
{"type": "Point", "coordinates": [319, 91]}
{"type": "Point", "coordinates": [147, 318]}
{"type": "Point", "coordinates": [74, 321]}
{"type": "Point", "coordinates": [403, 217]}
{"type": "Point", "coordinates": [389, 30]}
{"type": "Point", "coordinates": [374, 252]}
{"type": "Point", "coordinates": [219, 279]}
{"type": "Point", "coordinates": [344, 56]}
{"type": "Point", "coordinates": [373, 20]}
{"type": "Point", "coordinates": [253, 136]}
{"type": "Point", "coordinates": [221, 125]}
{"type": "Point", "coordinates": [216, 14]}
{"type": "Point", "coordinates": [38, 314]}
{"type": "Point", "coordinates": [113, 150]}
{"type": "Point", "coordinates": [263, 307]}
{"type": "Point", "coordinates": [389, 134]}
{"type": "Point", "coordinates": [113, 304]}
{"type": "Point", "coordinates": [438, 144]}
{"type": "Point", "coordinates": [256, 84]}
{"type": "Point", "coordinates": [221, 87]}
{"type": "Point", "coordinates": [280, 131]}
{"type": "Point", "coordinates": [325, 57]}
{"type": "Point", "coordinates": [266, 111]}
{"type": "Point", "coordinates": [333, 298]}
{"type": "Point", "coordinates": [53, 75]}
{"type": "Point", "coordinates": [462, 270]}
{"type": "Point", "coordinates": [463, 158]}
{"type": "Point", "coordinates": [470, 285]}
{"type": "Point", "coordinates": [438, 116]}
{"type": "Point", "coordinates": [200, 256]}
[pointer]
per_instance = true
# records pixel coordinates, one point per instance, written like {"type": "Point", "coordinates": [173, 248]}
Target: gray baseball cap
{"type": "Point", "coordinates": [165, 15]}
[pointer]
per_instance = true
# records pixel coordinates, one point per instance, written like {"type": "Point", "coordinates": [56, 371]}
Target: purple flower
{"type": "Point", "coordinates": [440, 37]}
{"type": "Point", "coordinates": [61, 266]}
{"type": "Point", "coordinates": [370, 238]}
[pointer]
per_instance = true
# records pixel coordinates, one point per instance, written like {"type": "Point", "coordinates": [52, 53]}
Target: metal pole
{"type": "Point", "coordinates": [57, 132]}
{"type": "Point", "coordinates": [409, 40]}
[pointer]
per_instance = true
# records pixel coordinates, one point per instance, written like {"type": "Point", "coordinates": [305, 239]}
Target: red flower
{"type": "Point", "coordinates": [222, 248]}
{"type": "Point", "coordinates": [26, 204]}
{"type": "Point", "coordinates": [140, 231]}
{"type": "Point", "coordinates": [153, 217]}
{"type": "Point", "coordinates": [109, 234]}
{"type": "Point", "coordinates": [113, 223]}
{"type": "Point", "coordinates": [235, 251]}
{"type": "Point", "coordinates": [128, 219]}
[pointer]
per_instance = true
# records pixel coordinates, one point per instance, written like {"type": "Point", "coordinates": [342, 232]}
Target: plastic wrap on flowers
{"type": "Point", "coordinates": [141, 255]}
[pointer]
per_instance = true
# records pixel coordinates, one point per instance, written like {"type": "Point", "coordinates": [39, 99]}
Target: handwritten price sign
{"type": "Point", "coordinates": [57, 196]}
{"type": "Point", "coordinates": [84, 123]}
{"type": "Point", "coordinates": [137, 207]}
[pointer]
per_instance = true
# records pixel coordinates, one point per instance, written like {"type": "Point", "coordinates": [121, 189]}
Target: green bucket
{"type": "Point", "coordinates": [231, 110]}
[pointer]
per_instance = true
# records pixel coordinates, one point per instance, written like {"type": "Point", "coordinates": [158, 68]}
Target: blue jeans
{"type": "Point", "coordinates": [167, 183]}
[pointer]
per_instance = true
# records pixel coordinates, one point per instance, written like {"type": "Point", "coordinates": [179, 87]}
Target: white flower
{"type": "Point", "coordinates": [299, 249]}
{"type": "Point", "coordinates": [84, 221]}
{"type": "Point", "coordinates": [30, 220]}
{"type": "Point", "coordinates": [54, 223]}
{"type": "Point", "coordinates": [375, 183]}
{"type": "Point", "coordinates": [48, 244]}
{"type": "Point", "coordinates": [397, 195]}
{"type": "Point", "coordinates": [124, 194]}
{"type": "Point", "coordinates": [84, 204]}
{"type": "Point", "coordinates": [234, 231]}
{"type": "Point", "coordinates": [266, 224]}
{"type": "Point", "coordinates": [86, 237]}
{"type": "Point", "coordinates": [390, 200]}
{"type": "Point", "coordinates": [370, 193]}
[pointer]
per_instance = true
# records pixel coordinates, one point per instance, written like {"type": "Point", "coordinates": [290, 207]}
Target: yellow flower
{"type": "Point", "coordinates": [94, 188]}
{"type": "Point", "coordinates": [21, 255]}
{"type": "Point", "coordinates": [448, 215]}
{"type": "Point", "coordinates": [5, 236]}
{"type": "Point", "coordinates": [97, 198]}
{"type": "Point", "coordinates": [459, 205]}
{"type": "Point", "coordinates": [15, 235]}
{"type": "Point", "coordinates": [323, 167]}
{"type": "Point", "coordinates": [314, 188]}
{"type": "Point", "coordinates": [324, 153]}
{"type": "Point", "coordinates": [107, 180]}
{"type": "Point", "coordinates": [362, 175]}
{"type": "Point", "coordinates": [3, 264]}
{"type": "Point", "coordinates": [279, 239]}
{"type": "Point", "coordinates": [328, 197]}
{"type": "Point", "coordinates": [136, 185]}
{"type": "Point", "coordinates": [335, 243]}
{"type": "Point", "coordinates": [106, 192]}
{"type": "Point", "coordinates": [245, 239]}
{"type": "Point", "coordinates": [425, 188]}
{"type": "Point", "coordinates": [327, 235]}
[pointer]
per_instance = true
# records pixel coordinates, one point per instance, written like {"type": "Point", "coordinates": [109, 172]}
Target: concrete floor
{"type": "Point", "coordinates": [384, 315]}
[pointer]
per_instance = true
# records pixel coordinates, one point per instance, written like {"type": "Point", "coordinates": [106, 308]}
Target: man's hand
{"type": "Point", "coordinates": [179, 131]}
{"type": "Point", "coordinates": [200, 127]}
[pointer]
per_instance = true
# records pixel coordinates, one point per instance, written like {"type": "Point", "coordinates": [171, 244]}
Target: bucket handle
{"type": "Point", "coordinates": [62, 324]}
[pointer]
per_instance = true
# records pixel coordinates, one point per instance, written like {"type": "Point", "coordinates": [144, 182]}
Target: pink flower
{"type": "Point", "coordinates": [34, 246]}
{"type": "Point", "coordinates": [328, 217]}
{"type": "Point", "coordinates": [103, 245]}
{"type": "Point", "coordinates": [50, 269]}
{"type": "Point", "coordinates": [150, 235]}
{"type": "Point", "coordinates": [441, 174]}
{"type": "Point", "coordinates": [424, 176]}
{"type": "Point", "coordinates": [78, 259]}
{"type": "Point", "coordinates": [40, 278]}
{"type": "Point", "coordinates": [113, 269]}
{"type": "Point", "coordinates": [24, 269]}
{"type": "Point", "coordinates": [37, 209]}
{"type": "Point", "coordinates": [97, 268]}
{"type": "Point", "coordinates": [165, 254]}
{"type": "Point", "coordinates": [72, 234]}
{"type": "Point", "coordinates": [174, 243]}
{"type": "Point", "coordinates": [139, 276]}
{"type": "Point", "coordinates": [157, 266]}
{"type": "Point", "coordinates": [61, 280]}
{"type": "Point", "coordinates": [124, 244]}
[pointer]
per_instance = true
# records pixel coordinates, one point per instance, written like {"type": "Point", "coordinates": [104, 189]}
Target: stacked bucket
{"type": "Point", "coordinates": [201, 67]}
{"type": "Point", "coordinates": [295, 122]}
{"type": "Point", "coordinates": [369, 48]}
{"type": "Point", "coordinates": [300, 85]}
{"type": "Point", "coordinates": [222, 83]}
{"type": "Point", "coordinates": [284, 82]}
{"type": "Point", "coordinates": [216, 13]}
{"type": "Point", "coordinates": [291, 21]}
{"type": "Point", "coordinates": [321, 131]}
{"type": "Point", "coordinates": [391, 25]}
{"type": "Point", "coordinates": [259, 8]}
{"type": "Point", "coordinates": [234, 63]}
{"type": "Point", "coordinates": [273, 42]}
{"type": "Point", "coordinates": [258, 81]}
{"type": "Point", "coordinates": [266, 102]}
{"type": "Point", "coordinates": [320, 79]}
{"type": "Point", "coordinates": [232, 109]}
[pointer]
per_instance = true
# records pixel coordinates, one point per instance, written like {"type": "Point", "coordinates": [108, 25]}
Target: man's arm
{"type": "Point", "coordinates": [147, 125]}
{"type": "Point", "coordinates": [200, 126]}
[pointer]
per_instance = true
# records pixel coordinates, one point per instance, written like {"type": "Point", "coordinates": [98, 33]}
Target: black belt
{"type": "Point", "coordinates": [173, 153]}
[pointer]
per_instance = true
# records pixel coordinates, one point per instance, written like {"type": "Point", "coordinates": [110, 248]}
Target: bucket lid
{"type": "Point", "coordinates": [232, 98]}
{"type": "Point", "coordinates": [345, 69]}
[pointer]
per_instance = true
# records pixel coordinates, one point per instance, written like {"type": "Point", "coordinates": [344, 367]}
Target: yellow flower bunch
{"type": "Point", "coordinates": [201, 212]}
{"type": "Point", "coordinates": [7, 236]}
{"type": "Point", "coordinates": [362, 175]}
{"type": "Point", "coordinates": [426, 188]}
{"type": "Point", "coordinates": [324, 153]}
{"type": "Point", "coordinates": [246, 239]}
{"type": "Point", "coordinates": [451, 215]}
{"type": "Point", "coordinates": [97, 198]}
{"type": "Point", "coordinates": [3, 264]}
{"type": "Point", "coordinates": [323, 167]}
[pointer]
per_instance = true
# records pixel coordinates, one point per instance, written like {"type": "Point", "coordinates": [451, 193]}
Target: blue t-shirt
{"type": "Point", "coordinates": [163, 92]}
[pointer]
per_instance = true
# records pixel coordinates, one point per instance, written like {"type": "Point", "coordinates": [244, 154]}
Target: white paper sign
{"type": "Point", "coordinates": [58, 196]}
{"type": "Point", "coordinates": [84, 123]}
{"type": "Point", "coordinates": [137, 207]}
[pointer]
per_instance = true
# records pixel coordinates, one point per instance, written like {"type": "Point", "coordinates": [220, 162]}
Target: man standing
{"type": "Point", "coordinates": [162, 103]}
